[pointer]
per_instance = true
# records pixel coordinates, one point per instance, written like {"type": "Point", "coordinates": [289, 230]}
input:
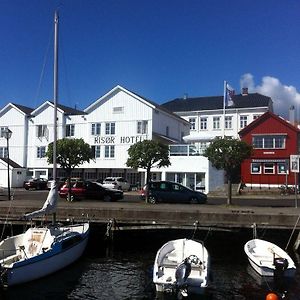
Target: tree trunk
{"type": "Point", "coordinates": [229, 192]}
{"type": "Point", "coordinates": [148, 179]}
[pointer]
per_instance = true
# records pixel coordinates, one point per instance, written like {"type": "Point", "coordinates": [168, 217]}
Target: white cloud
{"type": "Point", "coordinates": [283, 96]}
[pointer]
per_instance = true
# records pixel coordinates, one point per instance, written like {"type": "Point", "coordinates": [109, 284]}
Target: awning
{"type": "Point", "coordinates": [270, 160]}
{"type": "Point", "coordinates": [199, 137]}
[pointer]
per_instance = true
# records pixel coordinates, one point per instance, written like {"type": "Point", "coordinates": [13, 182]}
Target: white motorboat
{"type": "Point", "coordinates": [267, 258]}
{"type": "Point", "coordinates": [41, 251]}
{"type": "Point", "coordinates": [183, 266]}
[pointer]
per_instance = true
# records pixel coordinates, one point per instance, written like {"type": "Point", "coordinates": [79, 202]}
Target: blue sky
{"type": "Point", "coordinates": [159, 49]}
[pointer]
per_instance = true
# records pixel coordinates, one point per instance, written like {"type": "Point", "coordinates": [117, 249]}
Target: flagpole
{"type": "Point", "coordinates": [224, 105]}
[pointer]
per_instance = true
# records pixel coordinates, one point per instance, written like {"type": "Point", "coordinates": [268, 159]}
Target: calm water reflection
{"type": "Point", "coordinates": [124, 271]}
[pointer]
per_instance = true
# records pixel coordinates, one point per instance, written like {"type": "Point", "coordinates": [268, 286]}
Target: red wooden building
{"type": "Point", "coordinates": [274, 140]}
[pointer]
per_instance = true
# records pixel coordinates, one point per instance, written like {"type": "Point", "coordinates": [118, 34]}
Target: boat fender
{"type": "Point", "coordinates": [272, 296]}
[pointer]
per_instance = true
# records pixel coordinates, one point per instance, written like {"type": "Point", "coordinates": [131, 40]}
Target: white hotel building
{"type": "Point", "coordinates": [114, 122]}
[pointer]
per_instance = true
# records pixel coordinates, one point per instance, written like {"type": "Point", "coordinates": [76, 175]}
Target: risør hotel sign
{"type": "Point", "coordinates": [119, 140]}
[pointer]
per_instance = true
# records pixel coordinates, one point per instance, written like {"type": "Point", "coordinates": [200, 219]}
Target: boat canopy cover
{"type": "Point", "coordinates": [49, 205]}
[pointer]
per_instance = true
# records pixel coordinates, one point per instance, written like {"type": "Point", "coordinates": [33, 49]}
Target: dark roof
{"type": "Point", "coordinates": [69, 110]}
{"type": "Point", "coordinates": [25, 109]}
{"type": "Point", "coordinates": [216, 102]}
{"type": "Point", "coordinates": [11, 162]}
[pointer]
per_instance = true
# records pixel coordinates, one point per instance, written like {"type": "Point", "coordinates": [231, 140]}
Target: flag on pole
{"type": "Point", "coordinates": [228, 95]}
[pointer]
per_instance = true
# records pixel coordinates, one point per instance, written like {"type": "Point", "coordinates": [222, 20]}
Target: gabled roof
{"type": "Point", "coordinates": [216, 102]}
{"type": "Point", "coordinates": [264, 117]}
{"type": "Point", "coordinates": [62, 108]}
{"type": "Point", "coordinates": [12, 164]}
{"type": "Point", "coordinates": [21, 108]}
{"type": "Point", "coordinates": [144, 100]}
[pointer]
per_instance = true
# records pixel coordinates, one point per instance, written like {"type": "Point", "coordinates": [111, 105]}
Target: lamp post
{"type": "Point", "coordinates": [7, 134]}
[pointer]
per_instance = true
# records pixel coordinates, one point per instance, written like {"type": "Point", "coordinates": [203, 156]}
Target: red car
{"type": "Point", "coordinates": [90, 190]}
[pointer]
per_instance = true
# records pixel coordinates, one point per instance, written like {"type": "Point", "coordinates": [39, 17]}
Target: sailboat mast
{"type": "Point", "coordinates": [55, 92]}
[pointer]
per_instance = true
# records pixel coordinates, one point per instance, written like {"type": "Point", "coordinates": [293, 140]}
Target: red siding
{"type": "Point", "coordinates": [265, 125]}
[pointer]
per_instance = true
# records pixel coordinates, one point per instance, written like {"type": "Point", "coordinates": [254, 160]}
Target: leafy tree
{"type": "Point", "coordinates": [227, 154]}
{"type": "Point", "coordinates": [70, 153]}
{"type": "Point", "coordinates": [147, 154]}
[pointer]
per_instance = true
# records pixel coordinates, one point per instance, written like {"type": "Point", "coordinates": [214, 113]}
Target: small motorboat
{"type": "Point", "coordinates": [182, 266]}
{"type": "Point", "coordinates": [267, 259]}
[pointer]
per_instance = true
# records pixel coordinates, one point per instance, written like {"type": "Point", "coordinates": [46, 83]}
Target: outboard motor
{"type": "Point", "coordinates": [281, 264]}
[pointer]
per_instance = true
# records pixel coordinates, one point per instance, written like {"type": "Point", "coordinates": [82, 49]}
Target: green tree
{"type": "Point", "coordinates": [70, 153]}
{"type": "Point", "coordinates": [227, 154]}
{"type": "Point", "coordinates": [147, 154]}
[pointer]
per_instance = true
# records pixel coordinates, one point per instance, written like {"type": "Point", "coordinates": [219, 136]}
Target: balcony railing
{"type": "Point", "coordinates": [185, 150]}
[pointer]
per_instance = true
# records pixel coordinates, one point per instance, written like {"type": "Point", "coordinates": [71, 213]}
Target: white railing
{"type": "Point", "coordinates": [185, 150]}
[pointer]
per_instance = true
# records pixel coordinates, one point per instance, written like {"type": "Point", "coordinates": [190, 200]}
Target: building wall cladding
{"type": "Point", "coordinates": [134, 117]}
{"type": "Point", "coordinates": [270, 125]}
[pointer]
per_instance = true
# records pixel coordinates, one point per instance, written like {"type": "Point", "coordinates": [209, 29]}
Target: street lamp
{"type": "Point", "coordinates": [7, 134]}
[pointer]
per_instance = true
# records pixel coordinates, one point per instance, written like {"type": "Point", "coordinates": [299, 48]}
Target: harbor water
{"type": "Point", "coordinates": [123, 269]}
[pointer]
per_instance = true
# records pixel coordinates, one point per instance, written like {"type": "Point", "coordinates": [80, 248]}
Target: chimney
{"type": "Point", "coordinates": [292, 117]}
{"type": "Point", "coordinates": [245, 91]}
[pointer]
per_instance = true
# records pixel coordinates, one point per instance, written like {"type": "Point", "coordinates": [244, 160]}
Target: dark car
{"type": "Point", "coordinates": [35, 183]}
{"type": "Point", "coordinates": [171, 192]}
{"type": "Point", "coordinates": [90, 190]}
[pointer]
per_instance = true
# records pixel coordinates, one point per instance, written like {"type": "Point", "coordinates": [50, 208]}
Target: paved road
{"type": "Point", "coordinates": [133, 197]}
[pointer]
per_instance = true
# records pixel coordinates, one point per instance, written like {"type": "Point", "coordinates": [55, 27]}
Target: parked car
{"type": "Point", "coordinates": [60, 180]}
{"type": "Point", "coordinates": [171, 192]}
{"type": "Point", "coordinates": [90, 190]}
{"type": "Point", "coordinates": [35, 183]}
{"type": "Point", "coordinates": [118, 183]}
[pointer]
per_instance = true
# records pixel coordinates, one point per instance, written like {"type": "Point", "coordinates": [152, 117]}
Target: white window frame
{"type": "Point", "coordinates": [243, 121]}
{"type": "Point", "coordinates": [286, 168]}
{"type": "Point", "coordinates": [142, 127]}
{"type": "Point", "coordinates": [41, 152]}
{"type": "Point", "coordinates": [3, 152]}
{"type": "Point", "coordinates": [228, 122]}
{"type": "Point", "coordinates": [192, 122]}
{"type": "Point", "coordinates": [97, 151]}
{"type": "Point", "coordinates": [216, 123]}
{"type": "Point", "coordinates": [257, 165]}
{"type": "Point", "coordinates": [269, 168]}
{"type": "Point", "coordinates": [261, 141]}
{"type": "Point", "coordinates": [70, 130]}
{"type": "Point", "coordinates": [41, 131]}
{"type": "Point", "coordinates": [109, 151]}
{"type": "Point", "coordinates": [95, 128]}
{"type": "Point", "coordinates": [2, 131]}
{"type": "Point", "coordinates": [110, 128]}
{"type": "Point", "coordinates": [203, 123]}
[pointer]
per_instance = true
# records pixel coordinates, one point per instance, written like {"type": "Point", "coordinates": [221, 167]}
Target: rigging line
{"type": "Point", "coordinates": [43, 67]}
{"type": "Point", "coordinates": [292, 233]}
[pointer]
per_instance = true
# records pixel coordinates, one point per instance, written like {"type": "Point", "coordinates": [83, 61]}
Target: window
{"type": "Point", "coordinates": [255, 168]}
{"type": "Point", "coordinates": [96, 128]}
{"type": "Point", "coordinates": [216, 122]}
{"type": "Point", "coordinates": [118, 110]}
{"type": "Point", "coordinates": [269, 142]}
{"type": "Point", "coordinates": [96, 151]}
{"type": "Point", "coordinates": [110, 128]}
{"type": "Point", "coordinates": [193, 123]}
{"type": "Point", "coordinates": [109, 152]}
{"type": "Point", "coordinates": [282, 168]}
{"type": "Point", "coordinates": [142, 127]}
{"type": "Point", "coordinates": [228, 122]}
{"type": "Point", "coordinates": [269, 168]}
{"type": "Point", "coordinates": [70, 130]}
{"type": "Point", "coordinates": [2, 130]}
{"type": "Point", "coordinates": [203, 123]}
{"type": "Point", "coordinates": [41, 152]}
{"type": "Point", "coordinates": [41, 131]}
{"type": "Point", "coordinates": [3, 152]}
{"type": "Point", "coordinates": [243, 121]}
{"type": "Point", "coordinates": [256, 116]}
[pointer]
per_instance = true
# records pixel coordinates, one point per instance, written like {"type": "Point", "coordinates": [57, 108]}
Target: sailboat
{"type": "Point", "coordinates": [41, 251]}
